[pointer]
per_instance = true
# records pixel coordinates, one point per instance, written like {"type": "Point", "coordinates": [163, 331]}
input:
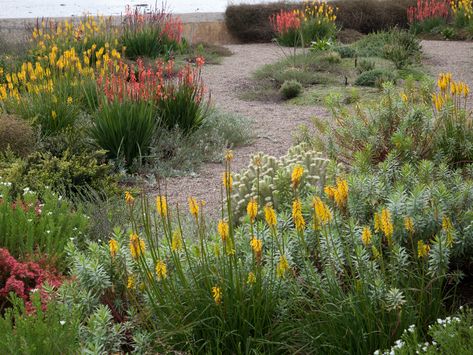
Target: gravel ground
{"type": "Point", "coordinates": [273, 124]}
{"type": "Point", "coordinates": [450, 56]}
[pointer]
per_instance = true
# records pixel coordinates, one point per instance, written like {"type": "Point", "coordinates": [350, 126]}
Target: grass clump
{"type": "Point", "coordinates": [375, 78]}
{"type": "Point", "coordinates": [290, 89]}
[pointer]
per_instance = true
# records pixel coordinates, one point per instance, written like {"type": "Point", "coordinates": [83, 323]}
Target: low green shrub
{"type": "Point", "coordinates": [375, 77]}
{"type": "Point", "coordinates": [450, 335]}
{"type": "Point", "coordinates": [52, 330]}
{"type": "Point", "coordinates": [68, 173]}
{"type": "Point", "coordinates": [17, 135]}
{"type": "Point", "coordinates": [290, 89]}
{"type": "Point", "coordinates": [174, 153]}
{"type": "Point", "coordinates": [30, 225]}
{"type": "Point", "coordinates": [365, 65]}
{"type": "Point", "coordinates": [373, 44]}
{"type": "Point", "coordinates": [345, 51]}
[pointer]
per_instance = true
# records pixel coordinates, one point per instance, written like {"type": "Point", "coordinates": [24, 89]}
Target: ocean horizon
{"type": "Point", "coordinates": [66, 8]}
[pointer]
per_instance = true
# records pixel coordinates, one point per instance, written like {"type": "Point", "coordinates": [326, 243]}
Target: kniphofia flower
{"type": "Point", "coordinates": [322, 212]}
{"type": "Point", "coordinates": [137, 246]}
{"type": "Point", "coordinates": [387, 224]}
{"type": "Point", "coordinates": [161, 270]}
{"type": "Point", "coordinates": [366, 236]}
{"type": "Point", "coordinates": [223, 229]}
{"type": "Point", "coordinates": [176, 241]}
{"type": "Point", "coordinates": [227, 180]}
{"type": "Point", "coordinates": [423, 249]}
{"type": "Point", "coordinates": [161, 205]}
{"type": "Point", "coordinates": [282, 266]}
{"type": "Point", "coordinates": [217, 294]}
{"type": "Point", "coordinates": [270, 215]}
{"type": "Point", "coordinates": [193, 207]}
{"type": "Point", "coordinates": [252, 209]}
{"type": "Point", "coordinates": [296, 176]}
{"type": "Point", "coordinates": [297, 216]}
{"type": "Point", "coordinates": [113, 246]}
{"type": "Point", "coordinates": [129, 199]}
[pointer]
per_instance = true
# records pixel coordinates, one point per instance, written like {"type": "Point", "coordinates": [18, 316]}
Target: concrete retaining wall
{"type": "Point", "coordinates": [197, 27]}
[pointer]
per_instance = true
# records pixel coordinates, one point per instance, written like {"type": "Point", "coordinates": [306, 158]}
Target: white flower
{"type": "Point", "coordinates": [62, 322]}
{"type": "Point", "coordinates": [48, 231]}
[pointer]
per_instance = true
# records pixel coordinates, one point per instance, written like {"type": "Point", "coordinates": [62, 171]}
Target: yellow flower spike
{"type": "Point", "coordinates": [297, 216]}
{"type": "Point", "coordinates": [161, 205]}
{"type": "Point", "coordinates": [409, 224]}
{"type": "Point", "coordinates": [252, 209]}
{"type": "Point", "coordinates": [223, 229]}
{"type": "Point", "coordinates": [193, 207]}
{"type": "Point", "coordinates": [423, 249]}
{"type": "Point", "coordinates": [296, 176]}
{"type": "Point", "coordinates": [217, 294]}
{"type": "Point", "coordinates": [129, 199]}
{"type": "Point", "coordinates": [270, 215]}
{"type": "Point", "coordinates": [161, 270]}
{"type": "Point", "coordinates": [69, 100]}
{"type": "Point", "coordinates": [257, 245]}
{"type": "Point", "coordinates": [387, 225]}
{"type": "Point", "coordinates": [366, 236]}
{"type": "Point", "coordinates": [53, 115]}
{"type": "Point", "coordinates": [176, 240]}
{"type": "Point", "coordinates": [330, 191]}
{"type": "Point", "coordinates": [251, 278]}
{"type": "Point", "coordinates": [137, 246]}
{"type": "Point", "coordinates": [282, 267]}
{"type": "Point", "coordinates": [113, 246]}
{"type": "Point", "coordinates": [341, 193]}
{"type": "Point", "coordinates": [227, 181]}
{"type": "Point", "coordinates": [131, 282]}
{"type": "Point", "coordinates": [322, 212]}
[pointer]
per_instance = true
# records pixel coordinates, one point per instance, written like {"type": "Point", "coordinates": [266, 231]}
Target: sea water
{"type": "Point", "coordinates": [64, 8]}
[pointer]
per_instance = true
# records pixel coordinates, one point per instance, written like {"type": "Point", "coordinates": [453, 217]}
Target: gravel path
{"type": "Point", "coordinates": [450, 56]}
{"type": "Point", "coordinates": [273, 124]}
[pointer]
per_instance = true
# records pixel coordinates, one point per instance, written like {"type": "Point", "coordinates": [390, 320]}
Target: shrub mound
{"type": "Point", "coordinates": [15, 134]}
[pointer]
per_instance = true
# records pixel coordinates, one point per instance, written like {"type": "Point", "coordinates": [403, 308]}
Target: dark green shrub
{"type": "Point", "coordinates": [331, 58]}
{"type": "Point", "coordinates": [345, 51]}
{"type": "Point", "coordinates": [374, 44]}
{"type": "Point", "coordinates": [67, 173]}
{"type": "Point", "coordinates": [249, 23]}
{"type": "Point", "coordinates": [52, 329]}
{"type": "Point", "coordinates": [290, 89]}
{"type": "Point", "coordinates": [375, 77]}
{"type": "Point", "coordinates": [30, 225]}
{"type": "Point", "coordinates": [16, 134]}
{"type": "Point", "coordinates": [365, 65]}
{"type": "Point", "coordinates": [125, 128]}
